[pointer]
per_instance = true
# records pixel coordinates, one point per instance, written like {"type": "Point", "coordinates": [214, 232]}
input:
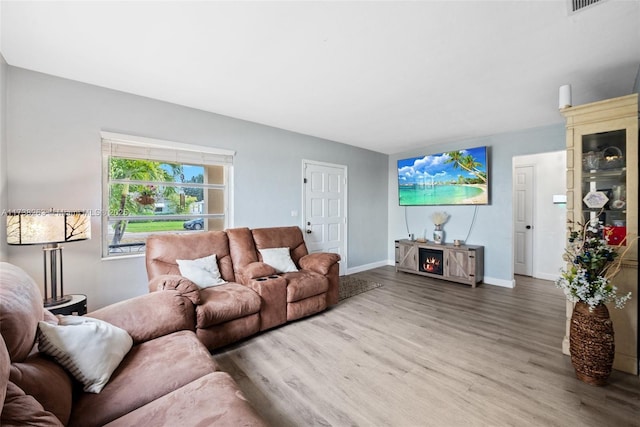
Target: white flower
{"type": "Point", "coordinates": [439, 218]}
{"type": "Point", "coordinates": [589, 270]}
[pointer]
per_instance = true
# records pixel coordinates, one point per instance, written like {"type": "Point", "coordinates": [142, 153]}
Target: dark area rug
{"type": "Point", "coordinates": [350, 286]}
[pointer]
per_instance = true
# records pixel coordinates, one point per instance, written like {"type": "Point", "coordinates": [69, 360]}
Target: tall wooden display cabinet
{"type": "Point", "coordinates": [602, 180]}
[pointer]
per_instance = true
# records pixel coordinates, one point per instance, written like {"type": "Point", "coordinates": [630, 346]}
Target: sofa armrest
{"type": "Point", "coordinates": [253, 271]}
{"type": "Point", "coordinates": [319, 262]}
{"type": "Point", "coordinates": [175, 282]}
{"type": "Point", "coordinates": [150, 316]}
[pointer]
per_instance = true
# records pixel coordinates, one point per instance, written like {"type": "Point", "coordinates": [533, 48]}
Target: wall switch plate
{"type": "Point", "coordinates": [294, 213]}
{"type": "Point", "coordinates": [559, 198]}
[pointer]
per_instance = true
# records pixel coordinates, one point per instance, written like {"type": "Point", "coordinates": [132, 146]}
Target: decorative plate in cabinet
{"type": "Point", "coordinates": [595, 199]}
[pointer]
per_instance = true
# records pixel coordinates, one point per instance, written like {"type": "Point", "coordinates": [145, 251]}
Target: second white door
{"type": "Point", "coordinates": [523, 220]}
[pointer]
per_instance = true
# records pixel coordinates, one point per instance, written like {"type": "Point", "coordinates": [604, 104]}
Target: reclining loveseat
{"type": "Point", "coordinates": [267, 279]}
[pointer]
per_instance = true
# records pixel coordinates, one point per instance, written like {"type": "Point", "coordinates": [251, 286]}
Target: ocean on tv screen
{"type": "Point", "coordinates": [416, 195]}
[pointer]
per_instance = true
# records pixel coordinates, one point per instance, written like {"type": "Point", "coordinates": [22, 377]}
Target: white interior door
{"type": "Point", "coordinates": [324, 210]}
{"type": "Point", "coordinates": [523, 220]}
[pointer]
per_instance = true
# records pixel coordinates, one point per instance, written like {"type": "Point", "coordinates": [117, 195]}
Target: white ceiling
{"type": "Point", "coordinates": [387, 76]}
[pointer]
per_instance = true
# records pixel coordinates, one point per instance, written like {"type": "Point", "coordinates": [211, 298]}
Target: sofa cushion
{"type": "Point", "coordinates": [304, 284]}
{"type": "Point", "coordinates": [201, 271]}
{"type": "Point", "coordinates": [242, 248]}
{"type": "Point", "coordinates": [37, 370]}
{"type": "Point", "coordinates": [150, 370]}
{"type": "Point", "coordinates": [279, 259]}
{"type": "Point", "coordinates": [162, 251]}
{"type": "Point", "coordinates": [20, 311]}
{"type": "Point", "coordinates": [226, 302]}
{"type": "Point", "coordinates": [214, 399]}
{"type": "Point", "coordinates": [91, 349]}
{"type": "Point", "coordinates": [20, 409]}
{"type": "Point", "coordinates": [281, 237]}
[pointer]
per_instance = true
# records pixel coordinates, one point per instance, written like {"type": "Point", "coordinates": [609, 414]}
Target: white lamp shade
{"type": "Point", "coordinates": [564, 96]}
{"type": "Point", "coordinates": [42, 227]}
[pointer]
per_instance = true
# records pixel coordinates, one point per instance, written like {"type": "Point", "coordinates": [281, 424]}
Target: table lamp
{"type": "Point", "coordinates": [49, 228]}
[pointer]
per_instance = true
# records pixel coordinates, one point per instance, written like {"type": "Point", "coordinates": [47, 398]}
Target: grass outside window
{"type": "Point", "coordinates": [154, 226]}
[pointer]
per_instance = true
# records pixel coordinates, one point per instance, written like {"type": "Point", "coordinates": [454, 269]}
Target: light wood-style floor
{"type": "Point", "coordinates": [422, 352]}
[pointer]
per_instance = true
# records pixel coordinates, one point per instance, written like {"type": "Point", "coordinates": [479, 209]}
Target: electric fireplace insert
{"type": "Point", "coordinates": [431, 261]}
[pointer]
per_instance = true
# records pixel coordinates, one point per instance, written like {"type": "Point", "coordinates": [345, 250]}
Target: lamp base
{"type": "Point", "coordinates": [50, 302]}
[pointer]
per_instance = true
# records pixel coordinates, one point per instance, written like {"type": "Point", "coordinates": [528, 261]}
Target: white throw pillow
{"type": "Point", "coordinates": [202, 271]}
{"type": "Point", "coordinates": [90, 349]}
{"type": "Point", "coordinates": [278, 258]}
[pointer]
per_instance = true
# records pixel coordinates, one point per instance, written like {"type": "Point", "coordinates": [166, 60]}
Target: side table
{"type": "Point", "coordinates": [77, 306]}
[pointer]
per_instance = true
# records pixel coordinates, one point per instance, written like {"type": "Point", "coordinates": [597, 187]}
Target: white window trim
{"type": "Point", "coordinates": [141, 147]}
{"type": "Point", "coordinates": [161, 143]}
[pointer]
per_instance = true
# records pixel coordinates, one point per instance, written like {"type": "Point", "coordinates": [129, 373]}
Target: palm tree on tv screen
{"type": "Point", "coordinates": [466, 162]}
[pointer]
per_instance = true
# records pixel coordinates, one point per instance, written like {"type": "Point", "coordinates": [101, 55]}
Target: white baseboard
{"type": "Point", "coordinates": [499, 282]}
{"type": "Point", "coordinates": [366, 267]}
{"type": "Point", "coordinates": [547, 276]}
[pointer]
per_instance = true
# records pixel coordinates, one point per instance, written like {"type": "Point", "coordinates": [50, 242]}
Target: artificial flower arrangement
{"type": "Point", "coordinates": [592, 266]}
{"type": "Point", "coordinates": [439, 218]}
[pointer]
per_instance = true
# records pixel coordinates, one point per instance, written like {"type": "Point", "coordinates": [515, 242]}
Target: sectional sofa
{"type": "Point", "coordinates": [266, 278]}
{"type": "Point", "coordinates": [269, 278]}
{"type": "Point", "coordinates": [44, 383]}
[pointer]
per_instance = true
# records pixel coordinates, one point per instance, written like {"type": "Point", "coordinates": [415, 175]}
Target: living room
{"type": "Point", "coordinates": [52, 125]}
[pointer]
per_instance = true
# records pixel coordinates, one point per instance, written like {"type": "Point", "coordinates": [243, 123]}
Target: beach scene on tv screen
{"type": "Point", "coordinates": [451, 178]}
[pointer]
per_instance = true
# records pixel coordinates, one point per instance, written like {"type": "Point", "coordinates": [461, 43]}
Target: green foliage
{"type": "Point", "coordinates": [120, 195]}
{"type": "Point", "coordinates": [180, 204]}
{"type": "Point", "coordinates": [198, 193]}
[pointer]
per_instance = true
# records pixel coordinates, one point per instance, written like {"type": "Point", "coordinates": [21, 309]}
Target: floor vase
{"type": "Point", "coordinates": [591, 343]}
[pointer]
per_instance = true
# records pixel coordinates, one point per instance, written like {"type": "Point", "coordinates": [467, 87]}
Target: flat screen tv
{"type": "Point", "coordinates": [452, 178]}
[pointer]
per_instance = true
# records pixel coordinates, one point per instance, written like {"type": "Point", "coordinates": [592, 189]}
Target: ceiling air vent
{"type": "Point", "coordinates": [576, 5]}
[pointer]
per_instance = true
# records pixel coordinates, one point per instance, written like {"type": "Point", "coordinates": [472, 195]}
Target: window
{"type": "Point", "coordinates": [152, 186]}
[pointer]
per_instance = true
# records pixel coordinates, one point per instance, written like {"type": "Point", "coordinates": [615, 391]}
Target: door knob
{"type": "Point", "coordinates": [308, 231]}
{"type": "Point", "coordinates": [528, 227]}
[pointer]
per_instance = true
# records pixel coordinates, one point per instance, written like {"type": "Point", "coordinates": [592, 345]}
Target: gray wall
{"type": "Point", "coordinates": [4, 194]}
{"type": "Point", "coordinates": [494, 223]}
{"type": "Point", "coordinates": [53, 147]}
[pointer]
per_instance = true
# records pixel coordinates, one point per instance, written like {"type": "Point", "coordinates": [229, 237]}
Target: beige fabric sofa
{"type": "Point", "coordinates": [168, 378]}
{"type": "Point", "coordinates": [255, 297]}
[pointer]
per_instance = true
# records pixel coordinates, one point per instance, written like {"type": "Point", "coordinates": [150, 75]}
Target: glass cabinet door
{"type": "Point", "coordinates": [604, 182]}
